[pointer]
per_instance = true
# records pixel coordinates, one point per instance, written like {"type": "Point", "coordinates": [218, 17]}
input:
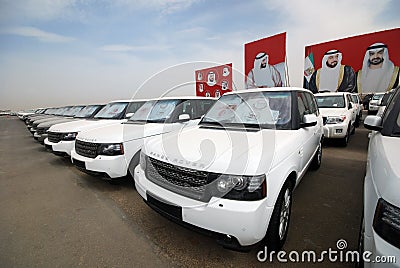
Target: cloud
{"type": "Point", "coordinates": [38, 34]}
{"type": "Point", "coordinates": [127, 48]}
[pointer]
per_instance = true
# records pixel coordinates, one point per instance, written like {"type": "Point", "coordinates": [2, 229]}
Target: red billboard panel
{"type": "Point", "coordinates": [264, 62]}
{"type": "Point", "coordinates": [214, 81]}
{"type": "Point", "coordinates": [365, 64]}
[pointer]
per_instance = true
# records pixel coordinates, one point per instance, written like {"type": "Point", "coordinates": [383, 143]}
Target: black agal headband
{"type": "Point", "coordinates": [377, 46]}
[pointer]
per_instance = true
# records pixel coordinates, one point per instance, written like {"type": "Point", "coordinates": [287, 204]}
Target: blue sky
{"type": "Point", "coordinates": [56, 52]}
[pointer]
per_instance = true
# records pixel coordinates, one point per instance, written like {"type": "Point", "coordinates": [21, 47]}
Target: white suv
{"type": "Point", "coordinates": [339, 115]}
{"type": "Point", "coordinates": [233, 174]}
{"type": "Point", "coordinates": [357, 103]}
{"type": "Point", "coordinates": [380, 232]}
{"type": "Point", "coordinates": [61, 137]}
{"type": "Point", "coordinates": [112, 150]}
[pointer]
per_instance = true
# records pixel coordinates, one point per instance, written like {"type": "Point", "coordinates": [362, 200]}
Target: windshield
{"type": "Point", "coordinates": [87, 111]}
{"type": "Point", "coordinates": [355, 99]}
{"type": "Point", "coordinates": [255, 109]}
{"type": "Point", "coordinates": [330, 101]}
{"type": "Point", "coordinates": [377, 96]}
{"type": "Point", "coordinates": [73, 110]}
{"type": "Point", "coordinates": [112, 110]}
{"type": "Point", "coordinates": [155, 111]}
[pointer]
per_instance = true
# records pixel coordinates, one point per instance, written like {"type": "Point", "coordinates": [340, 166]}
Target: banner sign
{"type": "Point", "coordinates": [364, 64]}
{"type": "Point", "coordinates": [264, 62]}
{"type": "Point", "coordinates": [214, 81]}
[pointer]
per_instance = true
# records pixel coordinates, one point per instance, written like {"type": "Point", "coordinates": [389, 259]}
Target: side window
{"type": "Point", "coordinates": [312, 104]}
{"type": "Point", "coordinates": [188, 107]}
{"type": "Point", "coordinates": [202, 107]}
{"type": "Point", "coordinates": [302, 105]}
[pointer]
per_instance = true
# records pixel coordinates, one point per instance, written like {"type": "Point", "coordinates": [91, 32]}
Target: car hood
{"type": "Point", "coordinates": [47, 119]}
{"type": "Point", "coordinates": [217, 150]}
{"type": "Point", "coordinates": [55, 121]}
{"type": "Point", "coordinates": [385, 167]}
{"type": "Point", "coordinates": [333, 111]}
{"type": "Point", "coordinates": [125, 132]}
{"type": "Point", "coordinates": [82, 125]}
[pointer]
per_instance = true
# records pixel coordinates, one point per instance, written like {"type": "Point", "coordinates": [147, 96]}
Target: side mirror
{"type": "Point", "coordinates": [309, 120]}
{"type": "Point", "coordinates": [373, 122]}
{"type": "Point", "coordinates": [184, 117]}
{"type": "Point", "coordinates": [350, 106]}
{"type": "Point", "coordinates": [129, 115]}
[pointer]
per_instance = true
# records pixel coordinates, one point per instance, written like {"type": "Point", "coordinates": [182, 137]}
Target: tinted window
{"type": "Point", "coordinates": [203, 106]}
{"type": "Point", "coordinates": [134, 106]}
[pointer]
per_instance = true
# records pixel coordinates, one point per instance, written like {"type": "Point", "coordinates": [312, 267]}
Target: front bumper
{"type": "Point", "coordinates": [243, 221]}
{"type": "Point", "coordinates": [335, 131]}
{"type": "Point", "coordinates": [112, 166]}
{"type": "Point", "coordinates": [60, 148]}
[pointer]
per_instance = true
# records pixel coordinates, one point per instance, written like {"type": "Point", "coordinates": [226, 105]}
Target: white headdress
{"type": "Point", "coordinates": [262, 76]}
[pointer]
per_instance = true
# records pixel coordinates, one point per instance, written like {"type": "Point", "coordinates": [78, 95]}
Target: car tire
{"type": "Point", "coordinates": [345, 140]}
{"type": "Point", "coordinates": [353, 130]}
{"type": "Point", "coordinates": [278, 226]}
{"type": "Point", "coordinates": [316, 162]}
{"type": "Point", "coordinates": [360, 263]}
{"type": "Point", "coordinates": [358, 120]}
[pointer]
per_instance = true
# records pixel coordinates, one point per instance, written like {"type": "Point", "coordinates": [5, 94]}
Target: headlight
{"type": "Point", "coordinates": [335, 119]}
{"type": "Point", "coordinates": [110, 149]}
{"type": "Point", "coordinates": [241, 187]}
{"type": "Point", "coordinates": [142, 161]}
{"type": "Point", "coordinates": [387, 222]}
{"type": "Point", "coordinates": [69, 136]}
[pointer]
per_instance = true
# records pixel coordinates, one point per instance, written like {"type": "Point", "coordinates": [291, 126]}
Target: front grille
{"type": "Point", "coordinates": [54, 137]}
{"type": "Point", "coordinates": [87, 149]}
{"type": "Point", "coordinates": [185, 181]}
{"type": "Point", "coordinates": [41, 130]}
{"type": "Point", "coordinates": [324, 120]}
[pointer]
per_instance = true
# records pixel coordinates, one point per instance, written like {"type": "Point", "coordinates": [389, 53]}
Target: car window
{"type": "Point", "coordinates": [134, 106]}
{"type": "Point", "coordinates": [260, 109]}
{"type": "Point", "coordinates": [330, 101]}
{"type": "Point", "coordinates": [303, 104]}
{"type": "Point", "coordinates": [311, 103]}
{"type": "Point", "coordinates": [203, 106]}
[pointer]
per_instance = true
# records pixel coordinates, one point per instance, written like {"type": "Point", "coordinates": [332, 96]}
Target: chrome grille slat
{"type": "Point", "coordinates": [87, 149]}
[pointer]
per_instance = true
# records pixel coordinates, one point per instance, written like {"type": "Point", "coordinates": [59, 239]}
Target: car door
{"type": "Point", "coordinates": [306, 134]}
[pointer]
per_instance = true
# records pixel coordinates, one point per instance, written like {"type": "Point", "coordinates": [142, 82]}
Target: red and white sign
{"type": "Point", "coordinates": [214, 81]}
{"type": "Point", "coordinates": [264, 62]}
{"type": "Point", "coordinates": [365, 64]}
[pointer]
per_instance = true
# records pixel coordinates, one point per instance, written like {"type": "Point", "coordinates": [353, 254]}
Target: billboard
{"type": "Point", "coordinates": [364, 64]}
{"type": "Point", "coordinates": [264, 62]}
{"type": "Point", "coordinates": [214, 81]}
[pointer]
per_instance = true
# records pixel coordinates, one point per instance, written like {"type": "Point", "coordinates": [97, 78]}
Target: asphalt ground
{"type": "Point", "coordinates": [53, 215]}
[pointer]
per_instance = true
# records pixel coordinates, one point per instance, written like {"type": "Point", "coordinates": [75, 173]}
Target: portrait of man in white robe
{"type": "Point", "coordinates": [378, 73]}
{"type": "Point", "coordinates": [263, 74]}
{"type": "Point", "coordinates": [333, 75]}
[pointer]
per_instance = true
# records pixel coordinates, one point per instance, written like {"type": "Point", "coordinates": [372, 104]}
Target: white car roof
{"type": "Point", "coordinates": [269, 89]}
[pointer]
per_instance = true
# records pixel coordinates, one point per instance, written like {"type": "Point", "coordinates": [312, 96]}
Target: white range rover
{"type": "Point", "coordinates": [111, 151]}
{"type": "Point", "coordinates": [380, 232]}
{"type": "Point", "coordinates": [61, 137]}
{"type": "Point", "coordinates": [233, 174]}
{"type": "Point", "coordinates": [339, 115]}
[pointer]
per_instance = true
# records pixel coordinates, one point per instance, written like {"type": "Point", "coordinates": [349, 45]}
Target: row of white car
{"type": "Point", "coordinates": [227, 168]}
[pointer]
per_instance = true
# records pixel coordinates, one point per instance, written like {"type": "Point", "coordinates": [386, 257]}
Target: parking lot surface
{"type": "Point", "coordinates": [54, 215]}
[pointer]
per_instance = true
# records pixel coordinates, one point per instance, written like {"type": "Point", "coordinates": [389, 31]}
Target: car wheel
{"type": "Point", "coordinates": [353, 130]}
{"type": "Point", "coordinates": [345, 140]}
{"type": "Point", "coordinates": [360, 263]}
{"type": "Point", "coordinates": [279, 223]}
{"type": "Point", "coordinates": [316, 162]}
{"type": "Point", "coordinates": [357, 122]}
